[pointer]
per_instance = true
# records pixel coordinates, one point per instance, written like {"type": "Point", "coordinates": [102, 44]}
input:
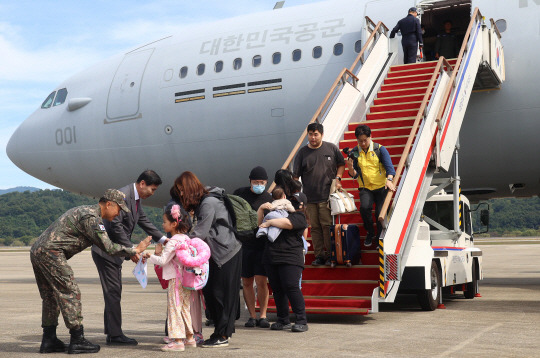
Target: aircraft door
{"type": "Point", "coordinates": [124, 94]}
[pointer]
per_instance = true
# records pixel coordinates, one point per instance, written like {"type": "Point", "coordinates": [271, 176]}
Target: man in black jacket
{"type": "Point", "coordinates": [109, 267]}
{"type": "Point", "coordinates": [411, 35]}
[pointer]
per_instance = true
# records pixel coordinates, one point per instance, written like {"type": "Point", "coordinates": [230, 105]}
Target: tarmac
{"type": "Point", "coordinates": [504, 322]}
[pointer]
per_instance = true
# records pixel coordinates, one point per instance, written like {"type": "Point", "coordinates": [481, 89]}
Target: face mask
{"type": "Point", "coordinates": [258, 189]}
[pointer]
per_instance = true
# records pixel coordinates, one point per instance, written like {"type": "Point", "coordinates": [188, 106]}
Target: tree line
{"type": "Point", "coordinates": [25, 215]}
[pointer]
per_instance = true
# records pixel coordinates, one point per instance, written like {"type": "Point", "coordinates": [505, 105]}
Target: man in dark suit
{"type": "Point", "coordinates": [411, 35]}
{"type": "Point", "coordinates": [109, 267]}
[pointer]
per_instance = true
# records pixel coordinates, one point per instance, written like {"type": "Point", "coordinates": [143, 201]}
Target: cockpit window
{"type": "Point", "coordinates": [48, 101]}
{"type": "Point", "coordinates": [60, 97]}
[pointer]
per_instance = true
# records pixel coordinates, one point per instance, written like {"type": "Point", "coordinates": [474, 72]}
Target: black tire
{"type": "Point", "coordinates": [429, 299]}
{"type": "Point", "coordinates": [472, 286]}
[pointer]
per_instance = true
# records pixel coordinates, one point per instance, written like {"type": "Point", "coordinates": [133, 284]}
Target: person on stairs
{"type": "Point", "coordinates": [318, 164]}
{"type": "Point", "coordinates": [411, 35]}
{"type": "Point", "coordinates": [374, 170]}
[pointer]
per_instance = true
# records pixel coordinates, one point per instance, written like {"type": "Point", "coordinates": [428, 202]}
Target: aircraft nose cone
{"type": "Point", "coordinates": [12, 148]}
{"type": "Point", "coordinates": [27, 148]}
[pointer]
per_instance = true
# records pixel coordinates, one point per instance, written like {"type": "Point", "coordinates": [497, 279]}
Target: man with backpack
{"type": "Point", "coordinates": [252, 251]}
{"type": "Point", "coordinates": [373, 168]}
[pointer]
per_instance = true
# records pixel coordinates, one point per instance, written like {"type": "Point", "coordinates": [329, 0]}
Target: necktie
{"type": "Point", "coordinates": [137, 205]}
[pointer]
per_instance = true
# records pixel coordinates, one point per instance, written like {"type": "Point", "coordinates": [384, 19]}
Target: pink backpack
{"type": "Point", "coordinates": [193, 254]}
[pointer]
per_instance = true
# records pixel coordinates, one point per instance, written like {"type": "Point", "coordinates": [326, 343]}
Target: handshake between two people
{"type": "Point", "coordinates": [140, 248]}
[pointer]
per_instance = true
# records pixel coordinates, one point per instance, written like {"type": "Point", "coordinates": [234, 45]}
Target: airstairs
{"type": "Point", "coordinates": [416, 112]}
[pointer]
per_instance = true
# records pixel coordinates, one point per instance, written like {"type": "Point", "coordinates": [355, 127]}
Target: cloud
{"type": "Point", "coordinates": [41, 65]}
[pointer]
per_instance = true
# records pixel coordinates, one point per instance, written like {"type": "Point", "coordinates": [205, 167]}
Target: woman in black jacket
{"type": "Point", "coordinates": [283, 260]}
{"type": "Point", "coordinates": [222, 292]}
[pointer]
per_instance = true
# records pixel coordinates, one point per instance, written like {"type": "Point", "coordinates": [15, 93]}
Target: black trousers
{"type": "Point", "coordinates": [285, 283]}
{"type": "Point", "coordinates": [222, 294]}
{"type": "Point", "coordinates": [110, 275]}
{"type": "Point", "coordinates": [409, 51]}
{"type": "Point", "coordinates": [367, 198]}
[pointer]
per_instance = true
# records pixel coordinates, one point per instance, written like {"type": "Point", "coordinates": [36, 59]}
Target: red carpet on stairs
{"type": "Point", "coordinates": [343, 290]}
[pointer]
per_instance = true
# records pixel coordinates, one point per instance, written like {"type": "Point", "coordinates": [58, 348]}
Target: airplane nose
{"type": "Point", "coordinates": [12, 148]}
{"type": "Point", "coordinates": [27, 148]}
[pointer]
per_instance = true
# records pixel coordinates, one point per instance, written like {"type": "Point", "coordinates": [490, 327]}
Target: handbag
{"type": "Point", "coordinates": [341, 202]}
{"type": "Point", "coordinates": [159, 274]}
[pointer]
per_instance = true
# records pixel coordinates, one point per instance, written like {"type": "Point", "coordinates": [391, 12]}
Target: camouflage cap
{"type": "Point", "coordinates": [118, 197]}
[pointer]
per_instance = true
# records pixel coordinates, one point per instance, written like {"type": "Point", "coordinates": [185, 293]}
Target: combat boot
{"type": "Point", "coordinates": [50, 343]}
{"type": "Point", "coordinates": [79, 344]}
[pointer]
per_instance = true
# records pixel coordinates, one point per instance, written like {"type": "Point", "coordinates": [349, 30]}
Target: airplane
{"type": "Point", "coordinates": [219, 99]}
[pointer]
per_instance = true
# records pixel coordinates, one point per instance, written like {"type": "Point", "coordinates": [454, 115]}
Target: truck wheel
{"type": "Point", "coordinates": [473, 285]}
{"type": "Point", "coordinates": [429, 299]}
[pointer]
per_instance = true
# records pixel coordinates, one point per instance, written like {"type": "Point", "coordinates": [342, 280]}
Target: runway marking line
{"type": "Point", "coordinates": [470, 340]}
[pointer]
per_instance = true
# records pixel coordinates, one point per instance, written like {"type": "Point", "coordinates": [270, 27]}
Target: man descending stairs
{"type": "Point", "coordinates": [343, 290]}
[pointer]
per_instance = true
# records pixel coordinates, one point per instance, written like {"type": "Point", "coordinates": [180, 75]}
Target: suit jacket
{"type": "Point", "coordinates": [121, 227]}
{"type": "Point", "coordinates": [411, 31]}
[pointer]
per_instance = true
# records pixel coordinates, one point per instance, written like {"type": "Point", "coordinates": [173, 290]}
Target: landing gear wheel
{"type": "Point", "coordinates": [429, 299]}
{"type": "Point", "coordinates": [348, 264]}
{"type": "Point", "coordinates": [333, 264]}
{"type": "Point", "coordinates": [472, 287]}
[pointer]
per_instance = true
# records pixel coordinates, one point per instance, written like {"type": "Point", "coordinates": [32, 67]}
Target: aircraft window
{"type": "Point", "coordinates": [200, 69]}
{"type": "Point", "coordinates": [183, 72]}
{"type": "Point", "coordinates": [338, 49]}
{"type": "Point", "coordinates": [218, 67]}
{"type": "Point", "coordinates": [257, 60]}
{"type": "Point", "coordinates": [276, 58]}
{"type": "Point", "coordinates": [296, 55]}
{"type": "Point", "coordinates": [237, 63]}
{"type": "Point", "coordinates": [49, 100]}
{"type": "Point", "coordinates": [60, 97]}
{"type": "Point", "coordinates": [501, 25]}
{"type": "Point", "coordinates": [317, 52]}
{"type": "Point", "coordinates": [358, 46]}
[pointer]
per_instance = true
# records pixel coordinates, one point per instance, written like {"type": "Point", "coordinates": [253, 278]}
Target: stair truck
{"type": "Point", "coordinates": [443, 258]}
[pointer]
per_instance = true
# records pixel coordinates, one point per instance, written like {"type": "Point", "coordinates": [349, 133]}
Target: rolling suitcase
{"type": "Point", "coordinates": [345, 241]}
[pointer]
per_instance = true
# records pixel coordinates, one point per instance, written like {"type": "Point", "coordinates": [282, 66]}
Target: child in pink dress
{"type": "Point", "coordinates": [178, 298]}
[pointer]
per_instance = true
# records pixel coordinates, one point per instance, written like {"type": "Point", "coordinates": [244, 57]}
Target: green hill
{"type": "Point", "coordinates": [18, 189]}
{"type": "Point", "coordinates": [25, 215]}
{"type": "Point", "coordinates": [514, 217]}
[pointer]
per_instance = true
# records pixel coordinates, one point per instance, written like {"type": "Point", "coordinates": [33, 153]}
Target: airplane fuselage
{"type": "Point", "coordinates": [142, 112]}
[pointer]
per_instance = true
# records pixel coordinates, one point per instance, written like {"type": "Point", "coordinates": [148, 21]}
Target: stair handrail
{"type": "Point", "coordinates": [344, 76]}
{"type": "Point", "coordinates": [371, 22]}
{"type": "Point", "coordinates": [494, 26]}
{"type": "Point", "coordinates": [442, 66]}
{"type": "Point", "coordinates": [476, 15]}
{"type": "Point", "coordinates": [379, 28]}
{"type": "Point", "coordinates": [451, 84]}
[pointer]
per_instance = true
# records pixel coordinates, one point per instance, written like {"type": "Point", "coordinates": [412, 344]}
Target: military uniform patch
{"type": "Point", "coordinates": [101, 227]}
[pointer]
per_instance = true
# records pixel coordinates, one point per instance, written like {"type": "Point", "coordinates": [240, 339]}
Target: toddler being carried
{"type": "Point", "coordinates": [281, 207]}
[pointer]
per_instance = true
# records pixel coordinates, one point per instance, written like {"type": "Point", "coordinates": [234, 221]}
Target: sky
{"type": "Point", "coordinates": [44, 42]}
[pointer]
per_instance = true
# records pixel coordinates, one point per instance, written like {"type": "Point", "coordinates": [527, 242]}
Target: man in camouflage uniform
{"type": "Point", "coordinates": [70, 234]}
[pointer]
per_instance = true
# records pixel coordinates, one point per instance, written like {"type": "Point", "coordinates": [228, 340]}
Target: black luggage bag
{"type": "Point", "coordinates": [345, 240]}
